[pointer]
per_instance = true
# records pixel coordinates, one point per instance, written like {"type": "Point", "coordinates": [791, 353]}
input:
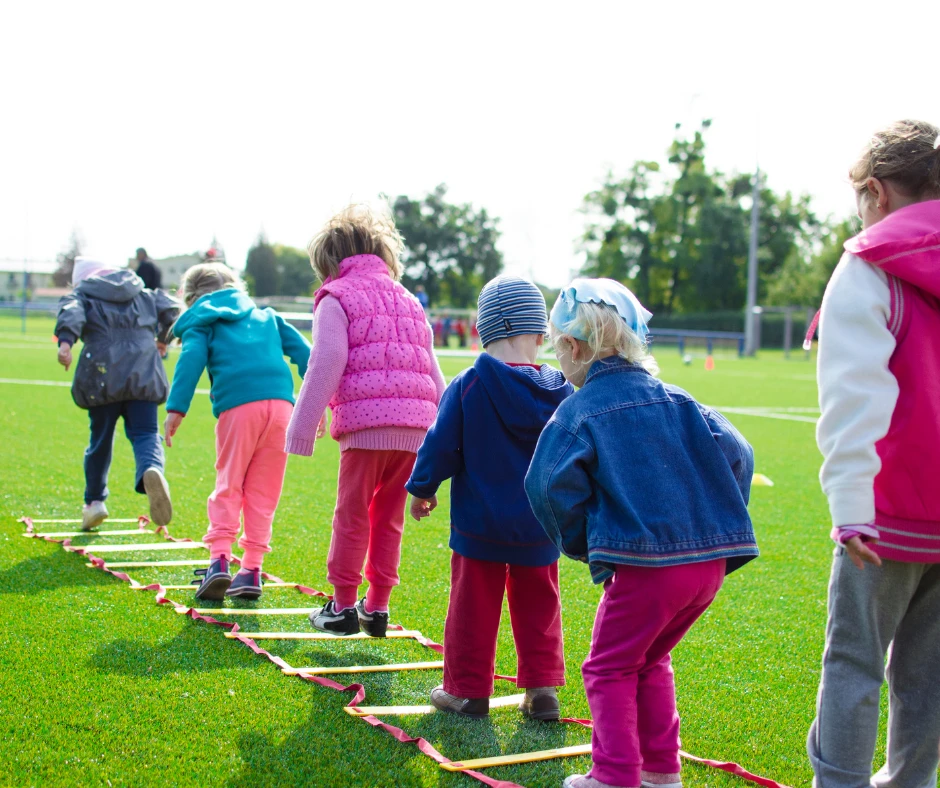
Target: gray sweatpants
{"type": "Point", "coordinates": [896, 604]}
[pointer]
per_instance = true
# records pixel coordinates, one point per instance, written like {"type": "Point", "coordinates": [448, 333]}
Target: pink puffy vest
{"type": "Point", "coordinates": [387, 381]}
{"type": "Point", "coordinates": [906, 246]}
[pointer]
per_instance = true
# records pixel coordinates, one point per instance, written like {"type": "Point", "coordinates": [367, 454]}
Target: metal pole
{"type": "Point", "coordinates": [25, 278]}
{"type": "Point", "coordinates": [787, 332]}
{"type": "Point", "coordinates": [750, 344]}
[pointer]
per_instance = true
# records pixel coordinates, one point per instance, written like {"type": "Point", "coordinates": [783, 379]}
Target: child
{"type": "Point", "coordinates": [373, 363]}
{"type": "Point", "coordinates": [252, 393]}
{"type": "Point", "coordinates": [879, 432]}
{"type": "Point", "coordinates": [635, 478]}
{"type": "Point", "coordinates": [119, 375]}
{"type": "Point", "coordinates": [485, 434]}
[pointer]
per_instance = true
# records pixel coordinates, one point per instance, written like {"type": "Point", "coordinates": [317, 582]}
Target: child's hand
{"type": "Point", "coordinates": [65, 355]}
{"type": "Point", "coordinates": [171, 425]}
{"type": "Point", "coordinates": [860, 552]}
{"type": "Point", "coordinates": [321, 427]}
{"type": "Point", "coordinates": [162, 349]}
{"type": "Point", "coordinates": [422, 507]}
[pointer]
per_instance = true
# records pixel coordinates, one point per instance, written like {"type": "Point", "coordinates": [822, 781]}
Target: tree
{"type": "Point", "coordinates": [261, 268]}
{"type": "Point", "coordinates": [295, 276]}
{"type": "Point", "coordinates": [802, 279]}
{"type": "Point", "coordinates": [449, 249]}
{"type": "Point", "coordinates": [62, 276]}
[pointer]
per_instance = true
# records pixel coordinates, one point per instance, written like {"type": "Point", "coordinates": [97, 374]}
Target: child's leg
{"type": "Point", "coordinates": [236, 436]}
{"type": "Point", "coordinates": [638, 606]}
{"type": "Point", "coordinates": [386, 526]}
{"type": "Point", "coordinates": [472, 624]}
{"type": "Point", "coordinates": [263, 482]}
{"type": "Point", "coordinates": [359, 474]}
{"type": "Point", "coordinates": [141, 429]}
{"type": "Point", "coordinates": [535, 612]}
{"type": "Point", "coordinates": [103, 420]}
{"type": "Point", "coordinates": [914, 700]}
{"type": "Point", "coordinates": [865, 608]}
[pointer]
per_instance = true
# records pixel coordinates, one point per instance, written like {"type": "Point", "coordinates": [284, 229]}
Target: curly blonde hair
{"type": "Point", "coordinates": [606, 330]}
{"type": "Point", "coordinates": [206, 278]}
{"type": "Point", "coordinates": [904, 153]}
{"type": "Point", "coordinates": [357, 229]}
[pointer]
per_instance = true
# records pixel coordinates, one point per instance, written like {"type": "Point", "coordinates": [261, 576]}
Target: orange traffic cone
{"type": "Point", "coordinates": [709, 363]}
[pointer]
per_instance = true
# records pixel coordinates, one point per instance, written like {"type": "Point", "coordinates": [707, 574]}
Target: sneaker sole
{"type": "Point", "coordinates": [94, 522]}
{"type": "Point", "coordinates": [158, 494]}
{"type": "Point", "coordinates": [367, 628]}
{"type": "Point", "coordinates": [251, 594]}
{"type": "Point", "coordinates": [338, 632]}
{"type": "Point", "coordinates": [214, 590]}
{"type": "Point", "coordinates": [448, 710]}
{"type": "Point", "coordinates": [543, 716]}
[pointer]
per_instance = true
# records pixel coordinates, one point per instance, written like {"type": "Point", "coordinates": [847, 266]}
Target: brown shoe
{"type": "Point", "coordinates": [541, 703]}
{"type": "Point", "coordinates": [475, 708]}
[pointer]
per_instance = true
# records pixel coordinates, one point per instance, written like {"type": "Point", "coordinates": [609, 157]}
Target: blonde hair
{"type": "Point", "coordinates": [206, 278]}
{"type": "Point", "coordinates": [906, 154]}
{"type": "Point", "coordinates": [606, 330]}
{"type": "Point", "coordinates": [358, 229]}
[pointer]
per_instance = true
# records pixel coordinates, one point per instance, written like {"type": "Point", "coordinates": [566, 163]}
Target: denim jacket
{"type": "Point", "coordinates": [630, 470]}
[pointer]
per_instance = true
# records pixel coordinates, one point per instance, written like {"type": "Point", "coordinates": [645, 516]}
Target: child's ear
{"type": "Point", "coordinates": [540, 340]}
{"type": "Point", "coordinates": [577, 352]}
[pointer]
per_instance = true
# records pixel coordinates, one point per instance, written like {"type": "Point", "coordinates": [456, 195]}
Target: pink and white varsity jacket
{"type": "Point", "coordinates": [879, 385]}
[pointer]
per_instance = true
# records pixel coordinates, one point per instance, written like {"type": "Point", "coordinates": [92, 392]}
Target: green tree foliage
{"type": "Point", "coordinates": [62, 276]}
{"type": "Point", "coordinates": [802, 280]}
{"type": "Point", "coordinates": [678, 235]}
{"type": "Point", "coordinates": [450, 249]}
{"type": "Point", "coordinates": [261, 268]}
{"type": "Point", "coordinates": [295, 276]}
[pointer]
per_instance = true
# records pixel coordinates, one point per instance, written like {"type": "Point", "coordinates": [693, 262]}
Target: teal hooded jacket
{"type": "Point", "coordinates": [242, 346]}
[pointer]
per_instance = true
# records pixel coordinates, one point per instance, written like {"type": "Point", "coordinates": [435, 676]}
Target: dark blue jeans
{"type": "Point", "coordinates": [140, 427]}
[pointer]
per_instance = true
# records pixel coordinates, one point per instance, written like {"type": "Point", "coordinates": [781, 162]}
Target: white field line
{"type": "Point", "coordinates": [60, 383]}
{"type": "Point", "coordinates": [764, 414]}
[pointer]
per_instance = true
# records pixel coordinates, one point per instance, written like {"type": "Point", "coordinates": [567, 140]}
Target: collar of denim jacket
{"type": "Point", "coordinates": [612, 364]}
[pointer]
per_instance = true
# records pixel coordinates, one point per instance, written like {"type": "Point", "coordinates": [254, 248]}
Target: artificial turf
{"type": "Point", "coordinates": [98, 685]}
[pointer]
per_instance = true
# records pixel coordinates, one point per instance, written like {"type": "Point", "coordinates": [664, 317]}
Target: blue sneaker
{"type": "Point", "coordinates": [246, 585]}
{"type": "Point", "coordinates": [214, 581]}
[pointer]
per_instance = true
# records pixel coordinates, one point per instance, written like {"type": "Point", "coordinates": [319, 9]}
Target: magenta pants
{"type": "Point", "coordinates": [249, 466]}
{"type": "Point", "coordinates": [368, 524]}
{"type": "Point", "coordinates": [628, 679]}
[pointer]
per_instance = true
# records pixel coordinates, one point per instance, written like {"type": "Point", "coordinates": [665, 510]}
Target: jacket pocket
{"type": "Point", "coordinates": [89, 387]}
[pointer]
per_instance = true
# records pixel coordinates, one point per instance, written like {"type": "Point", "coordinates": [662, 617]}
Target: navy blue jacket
{"type": "Point", "coordinates": [631, 470]}
{"type": "Point", "coordinates": [486, 430]}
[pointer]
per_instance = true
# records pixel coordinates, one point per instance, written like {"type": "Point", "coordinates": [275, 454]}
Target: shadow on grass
{"type": "Point", "coordinates": [49, 572]}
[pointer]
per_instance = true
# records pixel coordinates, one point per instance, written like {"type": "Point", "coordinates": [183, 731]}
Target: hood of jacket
{"type": "Point", "coordinates": [228, 305]}
{"type": "Point", "coordinates": [524, 402]}
{"type": "Point", "coordinates": [905, 244]}
{"type": "Point", "coordinates": [117, 286]}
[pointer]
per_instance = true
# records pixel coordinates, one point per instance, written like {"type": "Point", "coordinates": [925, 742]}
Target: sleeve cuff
{"type": "Point", "coordinates": [421, 492]}
{"type": "Point", "coordinates": [177, 412]}
{"type": "Point", "coordinates": [843, 533]}
{"type": "Point", "coordinates": [299, 446]}
{"type": "Point", "coordinates": [67, 338]}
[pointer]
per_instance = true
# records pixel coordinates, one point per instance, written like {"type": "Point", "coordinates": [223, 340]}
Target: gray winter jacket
{"type": "Point", "coordinates": [117, 320]}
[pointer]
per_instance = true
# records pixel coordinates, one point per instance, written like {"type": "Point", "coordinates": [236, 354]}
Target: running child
{"type": "Point", "coordinates": [879, 433]}
{"type": "Point", "coordinates": [490, 419]}
{"type": "Point", "coordinates": [119, 376]}
{"type": "Point", "coordinates": [373, 363]}
{"type": "Point", "coordinates": [252, 393]}
{"type": "Point", "coordinates": [649, 488]}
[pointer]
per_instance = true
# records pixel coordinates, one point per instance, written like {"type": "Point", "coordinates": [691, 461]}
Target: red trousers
{"type": "Point", "coordinates": [476, 602]}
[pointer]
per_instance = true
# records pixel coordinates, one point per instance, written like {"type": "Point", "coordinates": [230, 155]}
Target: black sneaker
{"type": "Point", "coordinates": [474, 708]}
{"type": "Point", "coordinates": [373, 624]}
{"type": "Point", "coordinates": [246, 585]}
{"type": "Point", "coordinates": [326, 619]}
{"type": "Point", "coordinates": [213, 581]}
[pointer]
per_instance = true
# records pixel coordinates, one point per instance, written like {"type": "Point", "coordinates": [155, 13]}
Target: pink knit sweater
{"type": "Point", "coordinates": [328, 361]}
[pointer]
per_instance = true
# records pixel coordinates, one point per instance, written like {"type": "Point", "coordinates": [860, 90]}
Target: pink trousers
{"type": "Point", "coordinates": [368, 524]}
{"type": "Point", "coordinates": [628, 679]}
{"type": "Point", "coordinates": [250, 464]}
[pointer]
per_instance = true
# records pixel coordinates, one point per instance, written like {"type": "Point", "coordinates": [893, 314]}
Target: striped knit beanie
{"type": "Point", "coordinates": [510, 306]}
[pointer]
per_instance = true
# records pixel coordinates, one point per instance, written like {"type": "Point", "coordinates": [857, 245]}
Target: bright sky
{"type": "Point", "coordinates": [161, 124]}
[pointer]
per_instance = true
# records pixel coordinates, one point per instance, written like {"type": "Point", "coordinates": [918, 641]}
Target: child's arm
{"type": "Point", "coordinates": [325, 370]}
{"type": "Point", "coordinates": [441, 455]}
{"type": "Point", "coordinates": [857, 391]}
{"type": "Point", "coordinates": [189, 368]}
{"type": "Point", "coordinates": [737, 450]}
{"type": "Point", "coordinates": [559, 487]}
{"type": "Point", "coordinates": [436, 375]}
{"type": "Point", "coordinates": [69, 324]}
{"type": "Point", "coordinates": [168, 309]}
{"type": "Point", "coordinates": [295, 346]}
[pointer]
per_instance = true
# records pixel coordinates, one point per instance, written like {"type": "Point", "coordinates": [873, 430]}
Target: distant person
{"type": "Point", "coordinates": [119, 376]}
{"type": "Point", "coordinates": [422, 297]}
{"type": "Point", "coordinates": [373, 364]}
{"type": "Point", "coordinates": [461, 330]}
{"type": "Point", "coordinates": [879, 433]}
{"type": "Point", "coordinates": [636, 479]}
{"type": "Point", "coordinates": [484, 437]}
{"type": "Point", "coordinates": [252, 392]}
{"type": "Point", "coordinates": [147, 271]}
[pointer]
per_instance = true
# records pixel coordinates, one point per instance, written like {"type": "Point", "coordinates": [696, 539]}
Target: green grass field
{"type": "Point", "coordinates": [100, 686]}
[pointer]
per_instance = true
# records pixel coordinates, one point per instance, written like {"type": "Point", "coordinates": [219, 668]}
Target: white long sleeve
{"type": "Point", "coordinates": [857, 391]}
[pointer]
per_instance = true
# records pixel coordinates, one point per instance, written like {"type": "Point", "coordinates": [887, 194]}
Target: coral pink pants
{"type": "Point", "coordinates": [643, 614]}
{"type": "Point", "coordinates": [250, 463]}
{"type": "Point", "coordinates": [369, 520]}
{"type": "Point", "coordinates": [476, 602]}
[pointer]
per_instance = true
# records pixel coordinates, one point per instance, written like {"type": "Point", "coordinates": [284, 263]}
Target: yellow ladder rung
{"type": "Point", "coordinates": [522, 757]}
{"type": "Point", "coordinates": [134, 548]}
{"type": "Point", "coordinates": [392, 633]}
{"type": "Point", "coordinates": [144, 564]}
{"type": "Point", "coordinates": [58, 534]}
{"type": "Point", "coordinates": [248, 611]}
{"type": "Point", "coordinates": [375, 711]}
{"type": "Point", "coordinates": [109, 520]}
{"type": "Point", "coordinates": [194, 586]}
{"type": "Point", "coordinates": [364, 668]}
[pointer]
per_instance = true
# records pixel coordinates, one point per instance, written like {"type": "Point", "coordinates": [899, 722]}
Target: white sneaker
{"type": "Point", "coordinates": [158, 494]}
{"type": "Point", "coordinates": [93, 515]}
